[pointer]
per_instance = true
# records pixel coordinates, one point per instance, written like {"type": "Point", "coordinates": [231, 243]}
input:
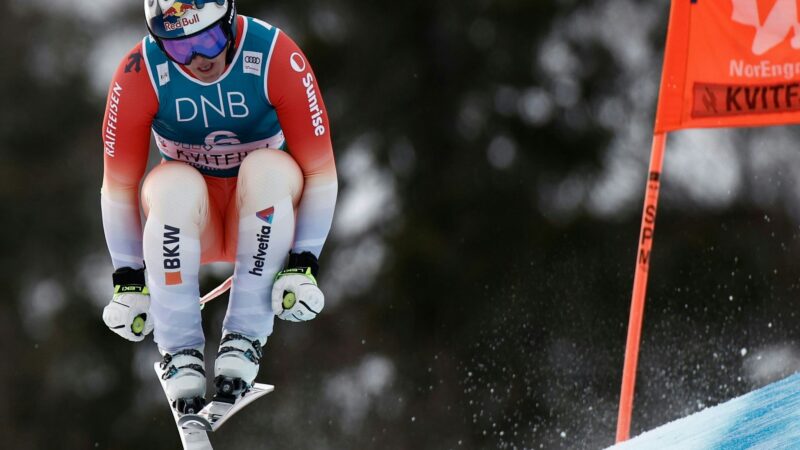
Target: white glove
{"type": "Point", "coordinates": [127, 313]}
{"type": "Point", "coordinates": [295, 295]}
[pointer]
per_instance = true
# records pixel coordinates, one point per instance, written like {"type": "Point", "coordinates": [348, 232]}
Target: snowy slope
{"type": "Point", "coordinates": [768, 418]}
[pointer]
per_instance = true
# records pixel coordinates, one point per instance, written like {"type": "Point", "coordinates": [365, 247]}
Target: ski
{"type": "Point", "coordinates": [193, 428]}
{"type": "Point", "coordinates": [193, 436]}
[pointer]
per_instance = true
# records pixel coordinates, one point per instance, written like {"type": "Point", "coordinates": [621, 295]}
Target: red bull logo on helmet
{"type": "Point", "coordinates": [178, 9]}
{"type": "Point", "coordinates": [175, 16]}
{"type": "Point", "coordinates": [181, 22]}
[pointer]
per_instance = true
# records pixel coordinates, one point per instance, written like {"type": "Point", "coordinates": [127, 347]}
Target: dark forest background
{"type": "Point", "coordinates": [492, 156]}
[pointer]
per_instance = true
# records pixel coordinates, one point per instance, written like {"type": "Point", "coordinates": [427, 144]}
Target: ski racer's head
{"type": "Point", "coordinates": [198, 34]}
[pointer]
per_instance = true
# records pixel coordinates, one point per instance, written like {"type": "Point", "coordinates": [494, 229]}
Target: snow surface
{"type": "Point", "coordinates": [768, 418]}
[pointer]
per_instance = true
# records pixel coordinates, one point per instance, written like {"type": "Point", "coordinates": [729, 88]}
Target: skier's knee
{"type": "Point", "coordinates": [270, 173]}
{"type": "Point", "coordinates": [174, 188]}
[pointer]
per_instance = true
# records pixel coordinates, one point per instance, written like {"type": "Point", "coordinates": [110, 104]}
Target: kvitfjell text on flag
{"type": "Point", "coordinates": [731, 63]}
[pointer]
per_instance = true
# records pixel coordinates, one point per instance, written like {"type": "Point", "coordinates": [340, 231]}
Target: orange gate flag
{"type": "Point", "coordinates": [730, 63]}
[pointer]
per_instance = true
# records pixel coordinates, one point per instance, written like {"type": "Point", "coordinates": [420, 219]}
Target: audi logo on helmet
{"type": "Point", "coordinates": [252, 59]}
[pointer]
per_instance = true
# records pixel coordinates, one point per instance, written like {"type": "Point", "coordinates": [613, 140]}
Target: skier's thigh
{"type": "Point", "coordinates": [178, 194]}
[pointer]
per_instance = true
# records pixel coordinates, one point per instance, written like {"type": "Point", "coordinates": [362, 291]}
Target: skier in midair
{"type": "Point", "coordinates": [247, 176]}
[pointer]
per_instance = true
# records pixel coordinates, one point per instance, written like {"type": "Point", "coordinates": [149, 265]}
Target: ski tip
{"type": "Point", "coordinates": [263, 387]}
{"type": "Point", "coordinates": [194, 421]}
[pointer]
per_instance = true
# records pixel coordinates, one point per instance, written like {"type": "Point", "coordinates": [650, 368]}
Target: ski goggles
{"type": "Point", "coordinates": [208, 43]}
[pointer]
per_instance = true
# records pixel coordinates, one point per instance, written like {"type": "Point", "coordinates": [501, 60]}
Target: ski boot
{"type": "Point", "coordinates": [236, 366]}
{"type": "Point", "coordinates": [185, 377]}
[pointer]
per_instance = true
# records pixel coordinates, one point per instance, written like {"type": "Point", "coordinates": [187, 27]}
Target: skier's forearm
{"type": "Point", "coordinates": [315, 212]}
{"type": "Point", "coordinates": [122, 227]}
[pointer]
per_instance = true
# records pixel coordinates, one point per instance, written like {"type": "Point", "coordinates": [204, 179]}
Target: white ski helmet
{"type": "Point", "coordinates": [180, 19]}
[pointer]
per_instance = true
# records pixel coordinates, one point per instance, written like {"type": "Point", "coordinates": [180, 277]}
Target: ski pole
{"type": "Point", "coordinates": [217, 291]}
